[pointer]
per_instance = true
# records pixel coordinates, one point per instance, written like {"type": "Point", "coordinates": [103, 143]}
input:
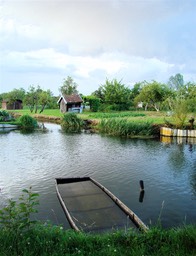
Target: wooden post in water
{"type": "Point", "coordinates": [141, 185]}
{"type": "Point", "coordinates": [141, 191]}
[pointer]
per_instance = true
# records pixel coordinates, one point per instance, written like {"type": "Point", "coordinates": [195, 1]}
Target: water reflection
{"type": "Point", "coordinates": [167, 169]}
{"type": "Point", "coordinates": [141, 198]}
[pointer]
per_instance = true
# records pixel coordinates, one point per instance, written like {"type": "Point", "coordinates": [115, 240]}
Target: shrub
{"type": "Point", "coordinates": [71, 123]}
{"type": "Point", "coordinates": [27, 122]}
{"type": "Point", "coordinates": [16, 215]}
{"type": "Point", "coordinates": [180, 113]}
{"type": "Point", "coordinates": [4, 116]}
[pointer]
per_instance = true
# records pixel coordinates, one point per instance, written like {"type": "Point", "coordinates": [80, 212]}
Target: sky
{"type": "Point", "coordinates": [42, 42]}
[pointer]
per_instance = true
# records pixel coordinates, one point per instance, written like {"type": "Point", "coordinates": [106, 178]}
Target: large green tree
{"type": "Point", "coordinates": [115, 93]}
{"type": "Point", "coordinates": [153, 94]}
{"type": "Point", "coordinates": [135, 91]}
{"type": "Point", "coordinates": [69, 86]}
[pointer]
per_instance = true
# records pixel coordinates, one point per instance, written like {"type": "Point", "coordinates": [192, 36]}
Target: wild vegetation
{"type": "Point", "coordinates": [20, 235]}
{"type": "Point", "coordinates": [71, 123]}
{"type": "Point", "coordinates": [124, 128]}
{"type": "Point", "coordinates": [27, 122]}
{"type": "Point", "coordinates": [113, 99]}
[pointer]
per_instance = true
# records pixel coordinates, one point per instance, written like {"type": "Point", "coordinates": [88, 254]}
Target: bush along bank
{"type": "Point", "coordinates": [28, 123]}
{"type": "Point", "coordinates": [71, 123]}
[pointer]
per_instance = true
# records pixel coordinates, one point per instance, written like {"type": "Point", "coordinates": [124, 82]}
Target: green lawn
{"type": "Point", "coordinates": [132, 116]}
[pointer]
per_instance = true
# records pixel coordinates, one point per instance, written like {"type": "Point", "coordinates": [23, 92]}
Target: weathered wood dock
{"type": "Point", "coordinates": [90, 207]}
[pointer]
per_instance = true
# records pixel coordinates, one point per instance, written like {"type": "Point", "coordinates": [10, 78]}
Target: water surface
{"type": "Point", "coordinates": [167, 169]}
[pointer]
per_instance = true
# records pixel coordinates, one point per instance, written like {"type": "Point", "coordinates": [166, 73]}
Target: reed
{"type": "Point", "coordinates": [71, 123]}
{"type": "Point", "coordinates": [125, 128]}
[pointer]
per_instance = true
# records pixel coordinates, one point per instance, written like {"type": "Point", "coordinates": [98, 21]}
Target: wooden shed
{"type": "Point", "coordinates": [6, 105]}
{"type": "Point", "coordinates": [70, 103]}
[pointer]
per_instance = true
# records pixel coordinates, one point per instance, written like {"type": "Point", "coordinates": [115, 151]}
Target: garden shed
{"type": "Point", "coordinates": [70, 103]}
{"type": "Point", "coordinates": [7, 105]}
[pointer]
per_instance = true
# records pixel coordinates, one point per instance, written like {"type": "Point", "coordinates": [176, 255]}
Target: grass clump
{"type": "Point", "coordinates": [125, 128]}
{"type": "Point", "coordinates": [71, 123]}
{"type": "Point", "coordinates": [28, 123]}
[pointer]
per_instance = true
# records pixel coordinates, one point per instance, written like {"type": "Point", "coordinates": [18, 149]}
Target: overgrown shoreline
{"type": "Point", "coordinates": [53, 240]}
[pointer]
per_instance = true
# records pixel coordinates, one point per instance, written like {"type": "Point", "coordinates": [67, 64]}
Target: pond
{"type": "Point", "coordinates": [167, 169]}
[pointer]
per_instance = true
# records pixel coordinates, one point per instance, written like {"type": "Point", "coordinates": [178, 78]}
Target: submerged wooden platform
{"type": "Point", "coordinates": [90, 207]}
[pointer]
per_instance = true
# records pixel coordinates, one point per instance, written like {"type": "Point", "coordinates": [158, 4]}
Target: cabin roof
{"type": "Point", "coordinates": [73, 98]}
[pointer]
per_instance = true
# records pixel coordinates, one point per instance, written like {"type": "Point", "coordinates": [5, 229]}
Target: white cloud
{"type": "Point", "coordinates": [91, 40]}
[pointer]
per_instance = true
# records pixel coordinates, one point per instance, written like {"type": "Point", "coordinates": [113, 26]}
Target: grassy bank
{"type": "Point", "coordinates": [132, 116]}
{"type": "Point", "coordinates": [51, 240]}
{"type": "Point", "coordinates": [126, 123]}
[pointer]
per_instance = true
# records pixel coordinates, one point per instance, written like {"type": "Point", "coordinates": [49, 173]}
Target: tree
{"type": "Point", "coordinates": [93, 101]}
{"type": "Point", "coordinates": [45, 98]}
{"type": "Point", "coordinates": [69, 86]}
{"type": "Point", "coordinates": [188, 92]}
{"type": "Point", "coordinates": [135, 91]}
{"type": "Point", "coordinates": [12, 96]}
{"type": "Point", "coordinates": [99, 94]}
{"type": "Point", "coordinates": [31, 98]}
{"type": "Point", "coordinates": [176, 82]}
{"type": "Point", "coordinates": [36, 97]}
{"type": "Point", "coordinates": [115, 93]}
{"type": "Point", "coordinates": [153, 94]}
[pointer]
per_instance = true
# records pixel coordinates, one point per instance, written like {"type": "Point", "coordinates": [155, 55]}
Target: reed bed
{"type": "Point", "coordinates": [123, 127]}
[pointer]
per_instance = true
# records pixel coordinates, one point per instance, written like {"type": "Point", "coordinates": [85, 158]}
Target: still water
{"type": "Point", "coordinates": [167, 169]}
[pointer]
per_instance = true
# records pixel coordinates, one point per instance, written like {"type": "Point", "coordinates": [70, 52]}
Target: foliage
{"type": "Point", "coordinates": [153, 94]}
{"type": "Point", "coordinates": [4, 115]}
{"type": "Point", "coordinates": [16, 216]}
{"type": "Point", "coordinates": [93, 102]}
{"type": "Point", "coordinates": [53, 240]}
{"type": "Point", "coordinates": [122, 127]}
{"type": "Point", "coordinates": [135, 91]}
{"type": "Point", "coordinates": [69, 86]}
{"type": "Point", "coordinates": [188, 92]}
{"type": "Point", "coordinates": [12, 96]}
{"type": "Point", "coordinates": [27, 122]}
{"type": "Point", "coordinates": [71, 123]}
{"type": "Point", "coordinates": [176, 82]}
{"type": "Point", "coordinates": [180, 112]}
{"type": "Point", "coordinates": [115, 93]}
{"type": "Point", "coordinates": [37, 98]}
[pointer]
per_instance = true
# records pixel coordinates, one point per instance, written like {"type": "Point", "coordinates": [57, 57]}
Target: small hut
{"type": "Point", "coordinates": [70, 103]}
{"type": "Point", "coordinates": [6, 105]}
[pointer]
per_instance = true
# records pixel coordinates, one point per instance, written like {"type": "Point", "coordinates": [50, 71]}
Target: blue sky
{"type": "Point", "coordinates": [44, 41]}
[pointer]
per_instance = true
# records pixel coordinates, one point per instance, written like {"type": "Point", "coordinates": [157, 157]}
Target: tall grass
{"type": "Point", "coordinates": [71, 123]}
{"type": "Point", "coordinates": [52, 240]}
{"type": "Point", "coordinates": [27, 122]}
{"type": "Point", "coordinates": [125, 128]}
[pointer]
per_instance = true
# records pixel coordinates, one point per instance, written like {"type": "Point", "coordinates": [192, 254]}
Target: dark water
{"type": "Point", "coordinates": [168, 171]}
